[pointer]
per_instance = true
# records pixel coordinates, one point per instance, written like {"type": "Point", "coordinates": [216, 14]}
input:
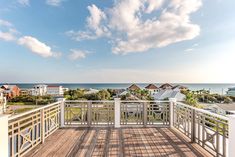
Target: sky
{"type": "Point", "coordinates": [117, 41]}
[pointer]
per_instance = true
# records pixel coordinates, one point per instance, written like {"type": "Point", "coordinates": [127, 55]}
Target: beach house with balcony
{"type": "Point", "coordinates": [39, 90]}
{"type": "Point", "coordinates": [153, 89]}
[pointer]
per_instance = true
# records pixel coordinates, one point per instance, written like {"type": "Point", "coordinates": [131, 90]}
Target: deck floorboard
{"type": "Point", "coordinates": [102, 142]}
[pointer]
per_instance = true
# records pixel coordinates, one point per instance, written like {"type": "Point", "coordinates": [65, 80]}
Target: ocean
{"type": "Point", "coordinates": [214, 88]}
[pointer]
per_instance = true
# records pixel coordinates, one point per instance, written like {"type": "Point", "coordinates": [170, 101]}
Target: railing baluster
{"type": "Point", "coordinates": [145, 107]}
{"type": "Point", "coordinates": [42, 126]}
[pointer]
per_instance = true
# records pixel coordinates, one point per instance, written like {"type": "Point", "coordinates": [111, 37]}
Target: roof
{"type": "Point", "coordinates": [151, 86]}
{"type": "Point", "coordinates": [134, 87]}
{"type": "Point", "coordinates": [165, 85]}
{"type": "Point", "coordinates": [9, 87]}
{"type": "Point", "coordinates": [179, 87]}
{"type": "Point", "coordinates": [168, 93]}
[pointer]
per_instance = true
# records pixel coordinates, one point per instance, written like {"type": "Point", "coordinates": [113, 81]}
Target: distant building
{"type": "Point", "coordinates": [39, 90]}
{"type": "Point", "coordinates": [133, 87]}
{"type": "Point", "coordinates": [55, 90]}
{"type": "Point", "coordinates": [24, 92]}
{"type": "Point", "coordinates": [166, 86]}
{"type": "Point", "coordinates": [10, 91]}
{"type": "Point", "coordinates": [179, 88]}
{"type": "Point", "coordinates": [152, 89]}
{"type": "Point", "coordinates": [169, 93]}
{"type": "Point", "coordinates": [231, 92]}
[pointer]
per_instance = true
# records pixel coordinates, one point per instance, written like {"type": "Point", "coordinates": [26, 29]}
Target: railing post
{"type": "Point", "coordinates": [172, 103]}
{"type": "Point", "coordinates": [145, 113]}
{"type": "Point", "coordinates": [117, 112]}
{"type": "Point", "coordinates": [42, 126]}
{"type": "Point", "coordinates": [89, 112]}
{"type": "Point", "coordinates": [4, 144]}
{"type": "Point", "coordinates": [193, 125]}
{"type": "Point", "coordinates": [231, 136]}
{"type": "Point", "coordinates": [62, 111]}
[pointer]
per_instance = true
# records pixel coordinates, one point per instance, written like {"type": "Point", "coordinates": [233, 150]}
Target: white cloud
{"type": "Point", "coordinates": [37, 47]}
{"type": "Point", "coordinates": [131, 30]}
{"type": "Point", "coordinates": [77, 54]}
{"type": "Point", "coordinates": [24, 2]}
{"type": "Point", "coordinates": [94, 24]}
{"type": "Point", "coordinates": [5, 23]}
{"type": "Point", "coordinates": [53, 2]}
{"type": "Point", "coordinates": [9, 33]}
{"type": "Point", "coordinates": [7, 36]}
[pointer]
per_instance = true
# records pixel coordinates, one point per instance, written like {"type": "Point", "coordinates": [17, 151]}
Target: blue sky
{"type": "Point", "coordinates": [95, 41]}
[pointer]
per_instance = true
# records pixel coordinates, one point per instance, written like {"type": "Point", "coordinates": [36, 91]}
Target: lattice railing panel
{"type": "Point", "coordinates": [207, 129]}
{"type": "Point", "coordinates": [29, 129]}
{"type": "Point", "coordinates": [157, 113]}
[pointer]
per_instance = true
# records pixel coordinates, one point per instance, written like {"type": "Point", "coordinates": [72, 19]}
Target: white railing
{"type": "Point", "coordinates": [21, 133]}
{"type": "Point", "coordinates": [207, 129]}
{"type": "Point", "coordinates": [27, 130]}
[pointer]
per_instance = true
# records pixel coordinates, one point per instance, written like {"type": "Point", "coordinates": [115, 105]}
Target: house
{"type": "Point", "coordinates": [10, 91]}
{"type": "Point", "coordinates": [54, 90]}
{"type": "Point", "coordinates": [152, 89]}
{"type": "Point", "coordinates": [179, 88]}
{"type": "Point", "coordinates": [39, 90]}
{"type": "Point", "coordinates": [166, 86]}
{"type": "Point", "coordinates": [169, 93]}
{"type": "Point", "coordinates": [24, 92]}
{"type": "Point", "coordinates": [133, 87]}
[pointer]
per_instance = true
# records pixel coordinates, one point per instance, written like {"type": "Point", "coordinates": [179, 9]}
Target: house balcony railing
{"type": "Point", "coordinates": [21, 133]}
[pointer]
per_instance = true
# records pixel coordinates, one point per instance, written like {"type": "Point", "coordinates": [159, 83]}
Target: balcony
{"type": "Point", "coordinates": [116, 128]}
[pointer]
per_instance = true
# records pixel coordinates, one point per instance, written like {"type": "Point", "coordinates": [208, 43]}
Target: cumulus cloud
{"type": "Point", "coordinates": [37, 47]}
{"type": "Point", "coordinates": [77, 54]}
{"type": "Point", "coordinates": [131, 30]}
{"type": "Point", "coordinates": [54, 2]}
{"type": "Point", "coordinates": [94, 24]}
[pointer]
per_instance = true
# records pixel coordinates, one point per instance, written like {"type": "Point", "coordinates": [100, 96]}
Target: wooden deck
{"type": "Point", "coordinates": [135, 142]}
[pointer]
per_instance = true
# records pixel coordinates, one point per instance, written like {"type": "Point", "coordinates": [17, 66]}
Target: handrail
{"type": "Point", "coordinates": [124, 101]}
{"type": "Point", "coordinates": [32, 111]}
{"type": "Point", "coordinates": [204, 111]}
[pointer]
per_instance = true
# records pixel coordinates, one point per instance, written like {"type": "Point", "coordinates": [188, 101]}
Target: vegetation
{"type": "Point", "coordinates": [193, 98]}
{"type": "Point", "coordinates": [80, 94]}
{"type": "Point", "coordinates": [31, 100]}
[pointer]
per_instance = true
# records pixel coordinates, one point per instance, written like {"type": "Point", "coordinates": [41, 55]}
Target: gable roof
{"type": "Point", "coordinates": [151, 86]}
{"type": "Point", "coordinates": [166, 85]}
{"type": "Point", "coordinates": [134, 87]}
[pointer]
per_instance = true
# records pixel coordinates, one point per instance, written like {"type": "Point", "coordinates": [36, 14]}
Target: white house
{"type": "Point", "coordinates": [152, 89]}
{"type": "Point", "coordinates": [55, 90]}
{"type": "Point", "coordinates": [39, 90]}
{"type": "Point", "coordinates": [169, 93]}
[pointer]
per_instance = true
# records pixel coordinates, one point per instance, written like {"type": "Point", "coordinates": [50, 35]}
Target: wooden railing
{"type": "Point", "coordinates": [207, 129]}
{"type": "Point", "coordinates": [95, 113]}
{"type": "Point", "coordinates": [29, 129]}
